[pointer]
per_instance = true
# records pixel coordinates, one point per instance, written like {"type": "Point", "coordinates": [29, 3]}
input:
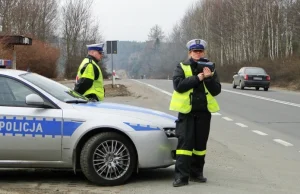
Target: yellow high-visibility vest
{"type": "Point", "coordinates": [88, 72]}
{"type": "Point", "coordinates": [181, 102]}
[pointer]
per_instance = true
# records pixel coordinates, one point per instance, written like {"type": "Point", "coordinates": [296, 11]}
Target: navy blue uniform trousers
{"type": "Point", "coordinates": [192, 131]}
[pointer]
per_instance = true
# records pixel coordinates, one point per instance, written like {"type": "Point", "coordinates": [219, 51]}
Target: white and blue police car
{"type": "Point", "coordinates": [44, 124]}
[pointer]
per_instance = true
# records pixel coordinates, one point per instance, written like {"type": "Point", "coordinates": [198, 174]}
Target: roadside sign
{"type": "Point", "coordinates": [112, 47]}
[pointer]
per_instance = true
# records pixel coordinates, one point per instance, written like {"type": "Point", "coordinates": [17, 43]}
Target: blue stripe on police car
{"type": "Point", "coordinates": [138, 127]}
{"type": "Point", "coordinates": [36, 126]}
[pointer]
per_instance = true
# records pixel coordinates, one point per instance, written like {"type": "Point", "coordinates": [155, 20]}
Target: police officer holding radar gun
{"type": "Point", "coordinates": [89, 79]}
{"type": "Point", "coordinates": [195, 84]}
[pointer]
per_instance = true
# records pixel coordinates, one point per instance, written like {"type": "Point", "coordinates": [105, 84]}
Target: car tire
{"type": "Point", "coordinates": [233, 85]}
{"type": "Point", "coordinates": [241, 85]}
{"type": "Point", "coordinates": [99, 148]}
{"type": "Point", "coordinates": [257, 88]}
{"type": "Point", "coordinates": [266, 89]}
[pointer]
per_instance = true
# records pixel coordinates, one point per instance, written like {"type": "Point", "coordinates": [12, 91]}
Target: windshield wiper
{"type": "Point", "coordinates": [76, 101]}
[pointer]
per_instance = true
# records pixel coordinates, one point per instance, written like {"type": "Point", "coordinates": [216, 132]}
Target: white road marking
{"type": "Point", "coordinates": [156, 88]}
{"type": "Point", "coordinates": [163, 91]}
{"type": "Point", "coordinates": [259, 132]}
{"type": "Point", "coordinates": [234, 92]}
{"type": "Point", "coordinates": [264, 98]}
{"type": "Point", "coordinates": [241, 125]}
{"type": "Point", "coordinates": [227, 119]}
{"type": "Point", "coordinates": [283, 142]}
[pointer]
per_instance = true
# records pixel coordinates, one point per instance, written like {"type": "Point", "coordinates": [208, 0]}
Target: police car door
{"type": "Point", "coordinates": [27, 133]}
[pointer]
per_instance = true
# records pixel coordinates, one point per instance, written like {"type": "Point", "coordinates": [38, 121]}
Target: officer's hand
{"type": "Point", "coordinates": [201, 76]}
{"type": "Point", "coordinates": [207, 72]}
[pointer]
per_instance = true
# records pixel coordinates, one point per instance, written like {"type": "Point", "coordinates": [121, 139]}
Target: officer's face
{"type": "Point", "coordinates": [98, 55]}
{"type": "Point", "coordinates": [197, 54]}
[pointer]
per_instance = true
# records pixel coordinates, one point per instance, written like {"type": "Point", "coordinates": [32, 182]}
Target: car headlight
{"type": "Point", "coordinates": [170, 132]}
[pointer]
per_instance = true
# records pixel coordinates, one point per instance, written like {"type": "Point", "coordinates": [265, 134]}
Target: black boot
{"type": "Point", "coordinates": [200, 178]}
{"type": "Point", "coordinates": [179, 183]}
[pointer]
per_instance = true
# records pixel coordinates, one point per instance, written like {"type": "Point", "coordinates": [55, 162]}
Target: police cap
{"type": "Point", "coordinates": [96, 47]}
{"type": "Point", "coordinates": [196, 44]}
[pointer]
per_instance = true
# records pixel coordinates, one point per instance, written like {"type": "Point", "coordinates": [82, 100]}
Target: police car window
{"type": "Point", "coordinates": [13, 93]}
{"type": "Point", "coordinates": [54, 88]}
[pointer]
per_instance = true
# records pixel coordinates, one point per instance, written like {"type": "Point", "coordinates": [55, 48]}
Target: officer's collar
{"type": "Point", "coordinates": [93, 58]}
{"type": "Point", "coordinates": [189, 61]}
{"type": "Point", "coordinates": [186, 62]}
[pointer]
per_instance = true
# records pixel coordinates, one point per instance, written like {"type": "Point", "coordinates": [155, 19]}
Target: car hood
{"type": "Point", "coordinates": [149, 115]}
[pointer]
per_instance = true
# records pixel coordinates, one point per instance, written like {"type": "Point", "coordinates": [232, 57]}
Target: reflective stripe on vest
{"type": "Point", "coordinates": [181, 102]}
{"type": "Point", "coordinates": [97, 87]}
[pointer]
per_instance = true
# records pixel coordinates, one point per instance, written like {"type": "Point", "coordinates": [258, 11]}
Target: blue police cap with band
{"type": "Point", "coordinates": [96, 47]}
{"type": "Point", "coordinates": [196, 44]}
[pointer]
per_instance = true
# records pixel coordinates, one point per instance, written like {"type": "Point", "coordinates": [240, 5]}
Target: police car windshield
{"type": "Point", "coordinates": [54, 88]}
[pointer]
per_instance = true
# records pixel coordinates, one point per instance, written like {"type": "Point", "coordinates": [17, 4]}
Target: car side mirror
{"type": "Point", "coordinates": [34, 100]}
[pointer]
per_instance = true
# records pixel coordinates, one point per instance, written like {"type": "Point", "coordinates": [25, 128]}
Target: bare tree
{"type": "Point", "coordinates": [78, 30]}
{"type": "Point", "coordinates": [239, 31]}
{"type": "Point", "coordinates": [156, 33]}
{"type": "Point", "coordinates": [36, 18]}
{"type": "Point", "coordinates": [6, 13]}
{"type": "Point", "coordinates": [47, 19]}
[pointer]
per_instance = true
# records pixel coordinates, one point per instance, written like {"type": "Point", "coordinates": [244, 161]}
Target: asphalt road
{"type": "Point", "coordinates": [276, 110]}
{"type": "Point", "coordinates": [262, 128]}
{"type": "Point", "coordinates": [253, 148]}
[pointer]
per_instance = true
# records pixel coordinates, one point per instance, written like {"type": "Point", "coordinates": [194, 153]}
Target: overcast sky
{"type": "Point", "coordinates": [132, 19]}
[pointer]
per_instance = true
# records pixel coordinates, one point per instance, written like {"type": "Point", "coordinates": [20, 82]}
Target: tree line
{"type": "Point", "coordinates": [64, 26]}
{"type": "Point", "coordinates": [239, 33]}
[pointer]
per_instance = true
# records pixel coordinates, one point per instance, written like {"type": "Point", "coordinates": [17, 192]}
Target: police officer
{"type": "Point", "coordinates": [195, 86]}
{"type": "Point", "coordinates": [89, 79]}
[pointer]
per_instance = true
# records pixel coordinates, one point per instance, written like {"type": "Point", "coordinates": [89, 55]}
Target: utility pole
{"type": "Point", "coordinates": [112, 65]}
{"type": "Point", "coordinates": [14, 65]}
